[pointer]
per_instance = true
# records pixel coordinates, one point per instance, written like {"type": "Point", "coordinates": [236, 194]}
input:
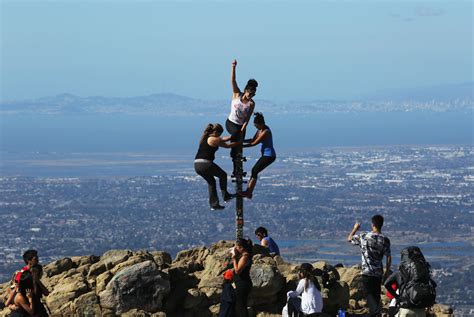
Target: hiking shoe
{"type": "Point", "coordinates": [228, 196]}
{"type": "Point", "coordinates": [217, 207]}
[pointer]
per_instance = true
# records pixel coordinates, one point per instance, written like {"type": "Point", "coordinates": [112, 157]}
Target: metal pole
{"type": "Point", "coordinates": [239, 175]}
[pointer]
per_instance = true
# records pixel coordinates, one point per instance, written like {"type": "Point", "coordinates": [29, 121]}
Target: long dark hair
{"type": "Point", "coordinates": [307, 273]}
{"type": "Point", "coordinates": [246, 244]}
{"type": "Point", "coordinates": [210, 128]}
{"type": "Point", "coordinates": [25, 283]}
{"type": "Point", "coordinates": [36, 272]}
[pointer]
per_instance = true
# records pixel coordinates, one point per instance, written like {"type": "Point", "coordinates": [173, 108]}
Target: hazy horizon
{"type": "Point", "coordinates": [298, 50]}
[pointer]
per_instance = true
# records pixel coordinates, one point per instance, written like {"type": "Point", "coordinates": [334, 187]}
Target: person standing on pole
{"type": "Point", "coordinates": [264, 137]}
{"type": "Point", "coordinates": [241, 109]}
{"type": "Point", "coordinates": [204, 164]}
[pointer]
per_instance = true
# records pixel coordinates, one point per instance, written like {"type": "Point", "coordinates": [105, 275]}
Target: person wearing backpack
{"type": "Point", "coordinates": [417, 290]}
{"type": "Point", "coordinates": [373, 245]}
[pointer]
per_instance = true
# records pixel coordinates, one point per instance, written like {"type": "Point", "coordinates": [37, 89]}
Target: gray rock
{"type": "Point", "coordinates": [58, 267]}
{"type": "Point", "coordinates": [87, 305]}
{"type": "Point", "coordinates": [140, 286]}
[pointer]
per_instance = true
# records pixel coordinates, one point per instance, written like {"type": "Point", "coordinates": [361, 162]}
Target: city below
{"type": "Point", "coordinates": [79, 204]}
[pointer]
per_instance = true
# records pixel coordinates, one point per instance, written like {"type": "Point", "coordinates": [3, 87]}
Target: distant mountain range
{"type": "Point", "coordinates": [438, 99]}
{"type": "Point", "coordinates": [439, 93]}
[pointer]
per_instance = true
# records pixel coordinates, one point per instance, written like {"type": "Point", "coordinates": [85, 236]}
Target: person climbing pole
{"type": "Point", "coordinates": [242, 107]}
{"type": "Point", "coordinates": [204, 164]}
{"type": "Point", "coordinates": [263, 136]}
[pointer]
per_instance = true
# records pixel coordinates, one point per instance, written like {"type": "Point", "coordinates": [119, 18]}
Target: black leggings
{"type": "Point", "coordinates": [236, 136]}
{"type": "Point", "coordinates": [261, 164]}
{"type": "Point", "coordinates": [208, 171]}
{"type": "Point", "coordinates": [242, 292]}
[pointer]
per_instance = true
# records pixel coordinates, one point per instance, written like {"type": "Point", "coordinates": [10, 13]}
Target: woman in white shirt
{"type": "Point", "coordinates": [307, 298]}
{"type": "Point", "coordinates": [241, 110]}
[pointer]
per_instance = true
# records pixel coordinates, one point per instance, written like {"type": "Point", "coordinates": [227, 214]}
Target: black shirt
{"type": "Point", "coordinates": [206, 151]}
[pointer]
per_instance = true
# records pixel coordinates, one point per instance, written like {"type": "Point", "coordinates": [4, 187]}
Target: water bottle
{"type": "Point", "coordinates": [341, 313]}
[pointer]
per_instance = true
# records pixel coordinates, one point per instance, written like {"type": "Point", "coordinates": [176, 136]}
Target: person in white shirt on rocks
{"type": "Point", "coordinates": [306, 300]}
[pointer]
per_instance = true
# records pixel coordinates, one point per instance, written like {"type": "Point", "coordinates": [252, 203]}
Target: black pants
{"type": "Point", "coordinates": [236, 136]}
{"type": "Point", "coordinates": [208, 171]}
{"type": "Point", "coordinates": [242, 291]}
{"type": "Point", "coordinates": [294, 307]}
{"type": "Point", "coordinates": [371, 286]}
{"type": "Point", "coordinates": [261, 164]}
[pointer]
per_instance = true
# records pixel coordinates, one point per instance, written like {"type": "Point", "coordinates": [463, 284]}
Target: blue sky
{"type": "Point", "coordinates": [297, 50]}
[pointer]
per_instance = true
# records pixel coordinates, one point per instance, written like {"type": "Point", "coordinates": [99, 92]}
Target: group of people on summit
{"type": "Point", "coordinates": [242, 108]}
{"type": "Point", "coordinates": [411, 288]}
{"type": "Point", "coordinates": [27, 290]}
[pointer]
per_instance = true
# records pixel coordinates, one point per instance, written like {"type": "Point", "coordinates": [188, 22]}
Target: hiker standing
{"type": "Point", "coordinates": [416, 289]}
{"type": "Point", "coordinates": [373, 245]}
{"type": "Point", "coordinates": [241, 263]}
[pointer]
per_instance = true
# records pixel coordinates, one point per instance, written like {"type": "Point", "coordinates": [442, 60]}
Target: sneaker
{"type": "Point", "coordinates": [217, 207]}
{"type": "Point", "coordinates": [228, 196]}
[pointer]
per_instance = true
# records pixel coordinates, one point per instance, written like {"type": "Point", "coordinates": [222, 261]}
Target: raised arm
{"type": "Point", "coordinates": [241, 264]}
{"type": "Point", "coordinates": [235, 89]}
{"type": "Point", "coordinates": [353, 232]}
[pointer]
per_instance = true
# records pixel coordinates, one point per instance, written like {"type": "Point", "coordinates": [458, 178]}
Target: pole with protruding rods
{"type": "Point", "coordinates": [239, 175]}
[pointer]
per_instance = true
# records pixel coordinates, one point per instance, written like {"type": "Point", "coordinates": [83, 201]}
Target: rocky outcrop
{"type": "Point", "coordinates": [141, 283]}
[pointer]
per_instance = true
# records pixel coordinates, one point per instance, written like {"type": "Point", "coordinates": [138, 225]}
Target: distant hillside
{"type": "Point", "coordinates": [463, 91]}
{"type": "Point", "coordinates": [167, 104]}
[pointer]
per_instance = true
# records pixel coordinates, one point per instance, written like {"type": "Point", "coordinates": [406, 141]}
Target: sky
{"type": "Point", "coordinates": [297, 50]}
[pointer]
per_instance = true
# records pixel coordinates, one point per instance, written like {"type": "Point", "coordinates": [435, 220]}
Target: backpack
{"type": "Point", "coordinates": [417, 290]}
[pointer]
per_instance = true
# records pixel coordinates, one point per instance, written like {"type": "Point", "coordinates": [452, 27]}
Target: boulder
{"type": "Point", "coordinates": [66, 291]}
{"type": "Point", "coordinates": [87, 305]}
{"type": "Point", "coordinates": [140, 286]}
{"type": "Point", "coordinates": [191, 260]}
{"type": "Point", "coordinates": [211, 277]}
{"type": "Point", "coordinates": [267, 282]}
{"type": "Point", "coordinates": [162, 259]}
{"type": "Point", "coordinates": [83, 260]}
{"type": "Point", "coordinates": [58, 267]}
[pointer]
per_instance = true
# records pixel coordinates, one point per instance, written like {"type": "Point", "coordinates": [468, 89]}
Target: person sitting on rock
{"type": "Point", "coordinates": [306, 300]}
{"type": "Point", "coordinates": [39, 290]}
{"type": "Point", "coordinates": [262, 234]}
{"type": "Point", "coordinates": [24, 298]}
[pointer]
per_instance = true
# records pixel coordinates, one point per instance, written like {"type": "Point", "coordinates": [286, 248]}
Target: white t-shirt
{"type": "Point", "coordinates": [311, 300]}
{"type": "Point", "coordinates": [239, 111]}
